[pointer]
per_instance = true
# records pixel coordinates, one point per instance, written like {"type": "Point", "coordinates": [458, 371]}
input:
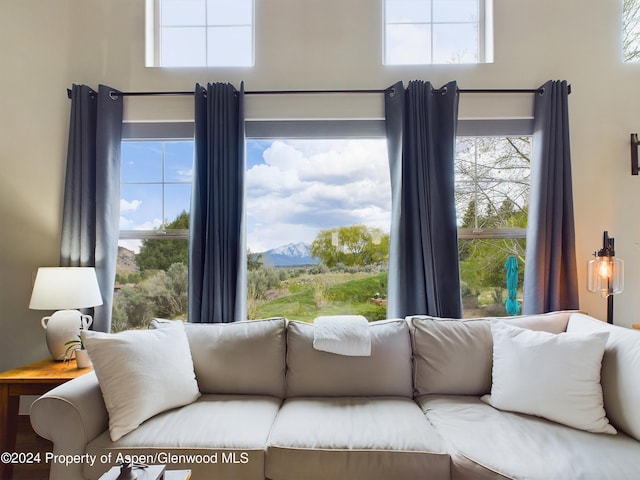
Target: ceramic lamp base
{"type": "Point", "coordinates": [62, 326]}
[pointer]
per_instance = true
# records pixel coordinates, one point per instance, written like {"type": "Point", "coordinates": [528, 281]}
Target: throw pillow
{"type": "Point", "coordinates": [440, 345]}
{"type": "Point", "coordinates": [554, 376]}
{"type": "Point", "coordinates": [246, 357]}
{"type": "Point", "coordinates": [141, 373]}
{"type": "Point", "coordinates": [387, 372]}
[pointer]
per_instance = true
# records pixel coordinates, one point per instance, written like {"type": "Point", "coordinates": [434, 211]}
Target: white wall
{"type": "Point", "coordinates": [46, 45]}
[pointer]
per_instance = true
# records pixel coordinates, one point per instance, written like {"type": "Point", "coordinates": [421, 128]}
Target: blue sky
{"type": "Point", "coordinates": [294, 188]}
{"type": "Point", "coordinates": [141, 205]}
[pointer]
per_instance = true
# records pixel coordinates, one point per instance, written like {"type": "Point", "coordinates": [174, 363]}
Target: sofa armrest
{"type": "Point", "coordinates": [620, 367]}
{"type": "Point", "coordinates": [70, 415]}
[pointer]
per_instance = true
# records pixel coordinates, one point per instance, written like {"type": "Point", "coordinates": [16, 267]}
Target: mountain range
{"type": "Point", "coordinates": [289, 255]}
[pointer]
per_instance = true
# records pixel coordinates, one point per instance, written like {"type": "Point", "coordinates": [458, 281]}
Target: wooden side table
{"type": "Point", "coordinates": [636, 326]}
{"type": "Point", "coordinates": [32, 379]}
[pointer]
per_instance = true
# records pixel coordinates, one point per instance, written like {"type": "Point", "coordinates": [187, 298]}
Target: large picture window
{"type": "Point", "coordinates": [318, 214]}
{"type": "Point", "coordinates": [155, 196]}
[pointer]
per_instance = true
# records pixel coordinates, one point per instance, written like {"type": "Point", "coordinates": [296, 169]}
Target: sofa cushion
{"type": "Point", "coordinates": [218, 436]}
{"type": "Point", "coordinates": [375, 438]}
{"type": "Point", "coordinates": [239, 357]}
{"type": "Point", "coordinates": [620, 371]}
{"type": "Point", "coordinates": [555, 376]}
{"type": "Point", "coordinates": [484, 443]}
{"type": "Point", "coordinates": [141, 373]}
{"type": "Point", "coordinates": [439, 344]}
{"type": "Point", "coordinates": [387, 371]}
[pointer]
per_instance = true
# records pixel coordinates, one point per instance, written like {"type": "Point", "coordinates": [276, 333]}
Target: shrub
{"type": "Point", "coordinates": [162, 294]}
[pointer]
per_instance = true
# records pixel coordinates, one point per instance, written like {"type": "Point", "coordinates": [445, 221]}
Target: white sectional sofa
{"type": "Point", "coordinates": [270, 406]}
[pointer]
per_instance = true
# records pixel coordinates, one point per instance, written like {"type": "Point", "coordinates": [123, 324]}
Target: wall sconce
{"type": "Point", "coordinates": [605, 274]}
{"type": "Point", "coordinates": [634, 153]}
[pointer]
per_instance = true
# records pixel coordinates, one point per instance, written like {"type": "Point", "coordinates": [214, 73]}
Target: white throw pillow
{"type": "Point", "coordinates": [555, 376]}
{"type": "Point", "coordinates": [141, 373]}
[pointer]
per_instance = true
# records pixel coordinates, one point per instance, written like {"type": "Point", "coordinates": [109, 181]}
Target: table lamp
{"type": "Point", "coordinates": [64, 289]}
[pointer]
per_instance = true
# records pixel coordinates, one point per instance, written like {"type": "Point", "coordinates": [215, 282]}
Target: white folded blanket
{"type": "Point", "coordinates": [342, 334]}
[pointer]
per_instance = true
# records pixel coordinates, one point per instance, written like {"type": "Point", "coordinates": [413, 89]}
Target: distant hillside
{"type": "Point", "coordinates": [126, 262]}
{"type": "Point", "coordinates": [289, 255]}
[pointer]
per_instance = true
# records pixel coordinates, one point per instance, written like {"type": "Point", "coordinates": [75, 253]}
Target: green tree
{"type": "Point", "coordinates": [161, 254]}
{"type": "Point", "coordinates": [468, 221]}
{"type": "Point", "coordinates": [355, 245]}
{"type": "Point", "coordinates": [323, 248]}
{"type": "Point", "coordinates": [492, 175]}
{"type": "Point", "coordinates": [131, 308]}
{"type": "Point", "coordinates": [482, 265]}
{"type": "Point", "coordinates": [254, 260]}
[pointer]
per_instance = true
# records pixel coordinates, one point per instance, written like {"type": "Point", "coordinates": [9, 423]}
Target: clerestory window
{"type": "Point", "coordinates": [200, 33]}
{"type": "Point", "coordinates": [631, 30]}
{"type": "Point", "coordinates": [419, 32]}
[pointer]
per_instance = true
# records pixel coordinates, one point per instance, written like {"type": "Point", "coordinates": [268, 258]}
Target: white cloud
{"type": "Point", "coordinates": [307, 186]}
{"type": "Point", "coordinates": [129, 224]}
{"type": "Point", "coordinates": [185, 175]}
{"type": "Point", "coordinates": [130, 216]}
{"type": "Point", "coordinates": [132, 206]}
{"type": "Point", "coordinates": [125, 223]}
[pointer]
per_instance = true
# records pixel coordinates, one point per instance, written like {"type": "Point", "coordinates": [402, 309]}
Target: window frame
{"type": "Point", "coordinates": [160, 132]}
{"type": "Point", "coordinates": [328, 129]}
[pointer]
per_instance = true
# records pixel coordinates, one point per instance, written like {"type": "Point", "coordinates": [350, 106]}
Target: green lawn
{"type": "Point", "coordinates": [310, 296]}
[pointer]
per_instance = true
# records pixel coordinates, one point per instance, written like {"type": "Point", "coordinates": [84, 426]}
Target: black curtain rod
{"type": "Point", "coordinates": [324, 92]}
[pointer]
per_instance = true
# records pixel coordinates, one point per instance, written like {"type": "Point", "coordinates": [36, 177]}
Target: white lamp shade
{"type": "Point", "coordinates": [59, 288]}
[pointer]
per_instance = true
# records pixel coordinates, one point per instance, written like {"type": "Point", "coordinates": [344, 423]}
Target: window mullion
{"type": "Point", "coordinates": [491, 233]}
{"type": "Point", "coordinates": [482, 20]}
{"type": "Point", "coordinates": [164, 218]}
{"type": "Point", "coordinates": [475, 183]}
{"type": "Point", "coordinates": [206, 33]}
{"type": "Point", "coordinates": [431, 32]}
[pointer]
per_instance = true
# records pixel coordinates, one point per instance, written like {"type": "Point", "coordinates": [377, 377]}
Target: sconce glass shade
{"type": "Point", "coordinates": [64, 289]}
{"type": "Point", "coordinates": [605, 275]}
